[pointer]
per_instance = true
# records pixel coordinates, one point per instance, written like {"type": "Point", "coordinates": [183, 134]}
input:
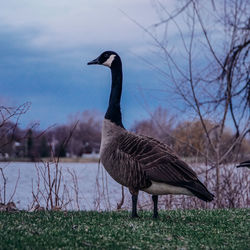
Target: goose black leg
{"type": "Point", "coordinates": [134, 206]}
{"type": "Point", "coordinates": [155, 200]}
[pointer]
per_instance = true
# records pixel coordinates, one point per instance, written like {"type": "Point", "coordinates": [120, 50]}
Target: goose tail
{"type": "Point", "coordinates": [200, 191]}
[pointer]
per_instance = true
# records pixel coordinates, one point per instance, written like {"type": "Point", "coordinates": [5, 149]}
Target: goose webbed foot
{"type": "Point", "coordinates": [134, 206]}
{"type": "Point", "coordinates": [155, 200]}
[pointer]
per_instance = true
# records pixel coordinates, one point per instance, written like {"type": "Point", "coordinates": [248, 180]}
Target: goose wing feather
{"type": "Point", "coordinates": [156, 159]}
{"type": "Point", "coordinates": [157, 162]}
{"type": "Point", "coordinates": [135, 161]}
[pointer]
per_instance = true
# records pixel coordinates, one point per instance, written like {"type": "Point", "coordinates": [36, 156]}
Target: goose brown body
{"type": "Point", "coordinates": [138, 162]}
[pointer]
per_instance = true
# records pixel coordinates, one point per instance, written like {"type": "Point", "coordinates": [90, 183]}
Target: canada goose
{"type": "Point", "coordinates": [245, 164]}
{"type": "Point", "coordinates": [140, 162]}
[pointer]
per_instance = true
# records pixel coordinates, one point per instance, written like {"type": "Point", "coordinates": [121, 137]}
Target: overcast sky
{"type": "Point", "coordinates": [45, 45]}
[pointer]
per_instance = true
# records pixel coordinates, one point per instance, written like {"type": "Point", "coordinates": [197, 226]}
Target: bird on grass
{"type": "Point", "coordinates": [139, 162]}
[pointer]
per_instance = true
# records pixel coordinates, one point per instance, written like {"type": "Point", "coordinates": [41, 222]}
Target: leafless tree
{"type": "Point", "coordinates": [9, 121]}
{"type": "Point", "coordinates": [159, 125]}
{"type": "Point", "coordinates": [206, 63]}
{"type": "Point", "coordinates": [87, 134]}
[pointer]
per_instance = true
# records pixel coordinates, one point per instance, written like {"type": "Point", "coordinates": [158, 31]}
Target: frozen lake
{"type": "Point", "coordinates": [95, 189]}
{"type": "Point", "coordinates": [89, 187]}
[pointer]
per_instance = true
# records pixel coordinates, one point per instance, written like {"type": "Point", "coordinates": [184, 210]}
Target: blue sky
{"type": "Point", "coordinates": [44, 48]}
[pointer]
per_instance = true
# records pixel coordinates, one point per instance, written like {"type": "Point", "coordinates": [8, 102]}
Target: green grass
{"type": "Point", "coordinates": [188, 229]}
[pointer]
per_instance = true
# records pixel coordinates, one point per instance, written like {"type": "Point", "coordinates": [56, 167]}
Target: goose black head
{"type": "Point", "coordinates": [107, 58]}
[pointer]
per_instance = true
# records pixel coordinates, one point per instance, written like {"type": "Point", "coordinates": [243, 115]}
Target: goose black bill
{"type": "Point", "coordinates": [95, 61]}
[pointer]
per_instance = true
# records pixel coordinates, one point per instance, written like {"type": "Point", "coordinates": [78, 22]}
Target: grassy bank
{"type": "Point", "coordinates": [190, 229]}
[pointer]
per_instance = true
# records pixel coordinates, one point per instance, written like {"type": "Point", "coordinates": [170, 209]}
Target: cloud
{"type": "Point", "coordinates": [44, 47]}
{"type": "Point", "coordinates": [77, 23]}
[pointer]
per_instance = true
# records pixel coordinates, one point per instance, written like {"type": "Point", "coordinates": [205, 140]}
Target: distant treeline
{"type": "Point", "coordinates": [75, 139]}
{"type": "Point", "coordinates": [83, 136]}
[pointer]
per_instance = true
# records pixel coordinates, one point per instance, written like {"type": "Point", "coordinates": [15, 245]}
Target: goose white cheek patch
{"type": "Point", "coordinates": [109, 61]}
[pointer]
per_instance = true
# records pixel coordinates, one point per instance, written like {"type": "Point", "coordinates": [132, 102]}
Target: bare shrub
{"type": "Point", "coordinates": [4, 186]}
{"type": "Point", "coordinates": [54, 193]}
{"type": "Point", "coordinates": [75, 188]}
{"type": "Point", "coordinates": [102, 195]}
{"type": "Point", "coordinates": [50, 190]}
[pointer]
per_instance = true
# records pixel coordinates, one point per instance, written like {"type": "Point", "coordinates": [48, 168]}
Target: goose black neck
{"type": "Point", "coordinates": [114, 110]}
